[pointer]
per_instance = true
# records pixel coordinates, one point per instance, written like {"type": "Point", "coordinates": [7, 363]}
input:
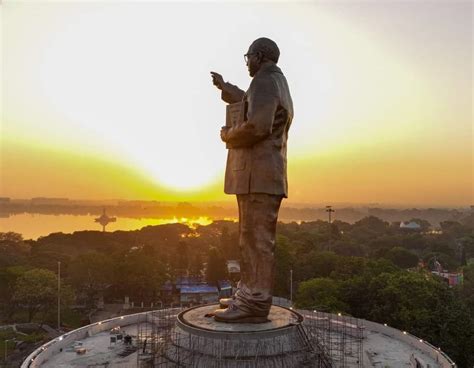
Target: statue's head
{"type": "Point", "coordinates": [262, 50]}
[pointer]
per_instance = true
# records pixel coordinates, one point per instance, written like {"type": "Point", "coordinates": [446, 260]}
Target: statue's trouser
{"type": "Point", "coordinates": [258, 215]}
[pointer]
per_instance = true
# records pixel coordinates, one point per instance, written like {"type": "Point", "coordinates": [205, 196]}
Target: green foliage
{"type": "Point", "coordinates": [196, 265]}
{"type": "Point", "coordinates": [347, 247]}
{"type": "Point", "coordinates": [368, 228]}
{"type": "Point", "coordinates": [467, 288]}
{"type": "Point", "coordinates": [402, 257]}
{"type": "Point", "coordinates": [13, 249]}
{"type": "Point", "coordinates": [31, 338]}
{"type": "Point", "coordinates": [139, 273]}
{"type": "Point", "coordinates": [447, 261]}
{"type": "Point", "coordinates": [453, 228]}
{"type": "Point", "coordinates": [284, 261]}
{"type": "Point", "coordinates": [351, 268]}
{"type": "Point", "coordinates": [346, 267]}
{"type": "Point", "coordinates": [36, 290]}
{"type": "Point", "coordinates": [316, 264]}
{"type": "Point", "coordinates": [229, 244]}
{"type": "Point", "coordinates": [216, 266]}
{"type": "Point", "coordinates": [322, 294]}
{"type": "Point", "coordinates": [91, 273]}
{"type": "Point", "coordinates": [424, 225]}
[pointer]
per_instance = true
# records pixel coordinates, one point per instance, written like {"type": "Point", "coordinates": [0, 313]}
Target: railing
{"type": "Point", "coordinates": [44, 352]}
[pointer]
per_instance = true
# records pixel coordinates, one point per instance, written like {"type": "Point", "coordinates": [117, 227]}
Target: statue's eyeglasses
{"type": "Point", "coordinates": [246, 56]}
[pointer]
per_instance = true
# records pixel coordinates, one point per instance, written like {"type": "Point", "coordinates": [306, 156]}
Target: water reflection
{"type": "Point", "coordinates": [32, 226]}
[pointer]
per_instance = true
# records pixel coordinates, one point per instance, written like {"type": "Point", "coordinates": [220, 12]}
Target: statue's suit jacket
{"type": "Point", "coordinates": [256, 160]}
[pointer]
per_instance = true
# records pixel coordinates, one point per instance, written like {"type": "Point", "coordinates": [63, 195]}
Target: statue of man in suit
{"type": "Point", "coordinates": [256, 174]}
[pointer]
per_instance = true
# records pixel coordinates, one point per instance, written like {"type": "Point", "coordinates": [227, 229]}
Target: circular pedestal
{"type": "Point", "coordinates": [199, 341]}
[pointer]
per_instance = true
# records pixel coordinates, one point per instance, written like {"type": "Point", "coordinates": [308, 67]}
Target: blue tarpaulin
{"type": "Point", "coordinates": [198, 289]}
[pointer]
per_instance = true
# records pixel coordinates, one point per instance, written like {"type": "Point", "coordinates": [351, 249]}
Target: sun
{"type": "Point", "coordinates": [181, 170]}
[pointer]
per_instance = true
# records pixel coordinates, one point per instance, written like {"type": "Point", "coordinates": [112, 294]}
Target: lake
{"type": "Point", "coordinates": [32, 226]}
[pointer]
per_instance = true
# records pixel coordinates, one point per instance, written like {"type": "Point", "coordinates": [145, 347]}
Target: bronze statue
{"type": "Point", "coordinates": [256, 173]}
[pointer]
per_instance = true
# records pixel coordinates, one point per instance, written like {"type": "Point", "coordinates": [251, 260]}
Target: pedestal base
{"type": "Point", "coordinates": [199, 341]}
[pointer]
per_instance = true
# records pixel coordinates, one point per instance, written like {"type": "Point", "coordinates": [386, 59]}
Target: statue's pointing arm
{"type": "Point", "coordinates": [263, 102]}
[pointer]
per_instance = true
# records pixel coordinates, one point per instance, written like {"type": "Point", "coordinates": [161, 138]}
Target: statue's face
{"type": "Point", "coordinates": [253, 61]}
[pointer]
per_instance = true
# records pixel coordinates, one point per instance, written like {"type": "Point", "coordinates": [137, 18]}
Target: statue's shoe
{"type": "Point", "coordinates": [225, 302]}
{"type": "Point", "coordinates": [232, 314]}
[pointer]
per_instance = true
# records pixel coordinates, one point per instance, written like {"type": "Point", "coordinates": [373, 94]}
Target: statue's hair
{"type": "Point", "coordinates": [267, 47]}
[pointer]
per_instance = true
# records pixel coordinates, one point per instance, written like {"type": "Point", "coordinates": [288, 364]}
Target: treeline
{"type": "Point", "coordinates": [370, 269]}
{"type": "Point", "coordinates": [377, 271]}
{"type": "Point", "coordinates": [111, 265]}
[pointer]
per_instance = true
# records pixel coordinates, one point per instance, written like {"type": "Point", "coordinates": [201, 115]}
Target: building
{"type": "Point", "coordinates": [410, 225]}
{"type": "Point", "coordinates": [225, 289]}
{"type": "Point", "coordinates": [233, 269]}
{"type": "Point", "coordinates": [199, 294]}
{"type": "Point", "coordinates": [49, 201]}
{"type": "Point", "coordinates": [451, 278]}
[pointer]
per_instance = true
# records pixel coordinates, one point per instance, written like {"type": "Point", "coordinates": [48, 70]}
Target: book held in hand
{"type": "Point", "coordinates": [235, 114]}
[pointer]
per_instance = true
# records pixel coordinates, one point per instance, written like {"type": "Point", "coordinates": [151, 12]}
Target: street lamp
{"type": "Point", "coordinates": [329, 210]}
{"type": "Point", "coordinates": [291, 287]}
{"type": "Point", "coordinates": [59, 296]}
{"type": "Point", "coordinates": [6, 347]}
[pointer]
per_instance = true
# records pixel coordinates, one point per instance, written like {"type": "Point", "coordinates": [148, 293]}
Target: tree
{"type": "Point", "coordinates": [229, 244]}
{"type": "Point", "coordinates": [8, 278]}
{"type": "Point", "coordinates": [13, 249]}
{"type": "Point", "coordinates": [320, 293]}
{"type": "Point", "coordinates": [447, 262]}
{"type": "Point", "coordinates": [284, 262]}
{"type": "Point", "coordinates": [347, 267]}
{"type": "Point", "coordinates": [216, 266]}
{"type": "Point", "coordinates": [372, 223]}
{"type": "Point", "coordinates": [453, 228]}
{"type": "Point", "coordinates": [467, 288]}
{"type": "Point", "coordinates": [402, 257]}
{"type": "Point", "coordinates": [315, 264]}
{"type": "Point", "coordinates": [356, 274]}
{"type": "Point", "coordinates": [225, 242]}
{"type": "Point", "coordinates": [179, 260]}
{"type": "Point", "coordinates": [424, 225]}
{"type": "Point", "coordinates": [140, 273]}
{"type": "Point", "coordinates": [348, 248]}
{"type": "Point", "coordinates": [36, 290]}
{"type": "Point", "coordinates": [196, 265]}
{"type": "Point", "coordinates": [426, 308]}
{"type": "Point", "coordinates": [91, 273]}
{"type": "Point", "coordinates": [11, 236]}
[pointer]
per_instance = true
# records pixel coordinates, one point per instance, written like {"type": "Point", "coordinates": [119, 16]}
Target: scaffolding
{"type": "Point", "coordinates": [338, 338]}
{"type": "Point", "coordinates": [154, 335]}
{"type": "Point", "coordinates": [323, 340]}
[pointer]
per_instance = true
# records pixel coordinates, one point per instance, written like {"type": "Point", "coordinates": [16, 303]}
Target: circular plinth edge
{"type": "Point", "coordinates": [194, 321]}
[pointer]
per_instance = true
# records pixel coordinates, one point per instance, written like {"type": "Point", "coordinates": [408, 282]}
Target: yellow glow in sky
{"type": "Point", "coordinates": [115, 100]}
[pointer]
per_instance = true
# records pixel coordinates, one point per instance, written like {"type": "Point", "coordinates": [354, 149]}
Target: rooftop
{"type": "Point", "coordinates": [382, 346]}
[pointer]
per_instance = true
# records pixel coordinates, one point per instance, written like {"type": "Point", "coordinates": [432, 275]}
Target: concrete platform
{"type": "Point", "coordinates": [200, 341]}
{"type": "Point", "coordinates": [196, 320]}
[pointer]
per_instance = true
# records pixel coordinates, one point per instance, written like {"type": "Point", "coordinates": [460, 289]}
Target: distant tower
{"type": "Point", "coordinates": [329, 210]}
{"type": "Point", "coordinates": [104, 220]}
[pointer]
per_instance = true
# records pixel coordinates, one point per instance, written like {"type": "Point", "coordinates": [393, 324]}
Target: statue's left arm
{"type": "Point", "coordinates": [263, 102]}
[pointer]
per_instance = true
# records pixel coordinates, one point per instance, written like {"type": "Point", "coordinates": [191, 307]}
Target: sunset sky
{"type": "Point", "coordinates": [102, 99]}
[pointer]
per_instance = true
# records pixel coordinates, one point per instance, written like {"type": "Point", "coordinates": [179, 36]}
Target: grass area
{"type": "Point", "coordinates": [10, 345]}
{"type": "Point", "coordinates": [72, 319]}
{"type": "Point", "coordinates": [7, 336]}
{"type": "Point", "coordinates": [69, 318]}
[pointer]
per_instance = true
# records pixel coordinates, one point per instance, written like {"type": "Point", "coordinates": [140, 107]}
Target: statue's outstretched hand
{"type": "Point", "coordinates": [217, 80]}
